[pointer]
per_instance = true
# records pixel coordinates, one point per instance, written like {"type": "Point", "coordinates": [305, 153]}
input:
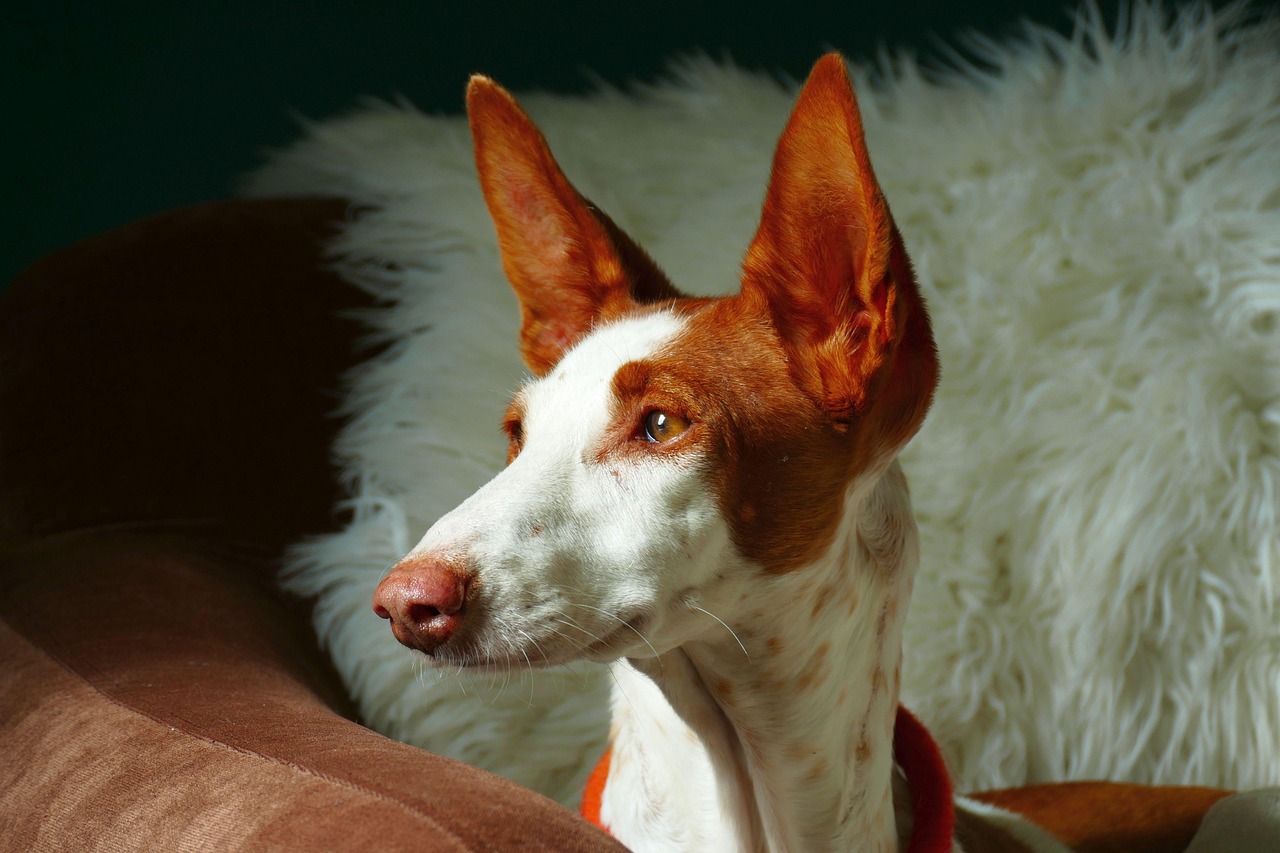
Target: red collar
{"type": "Point", "coordinates": [914, 751]}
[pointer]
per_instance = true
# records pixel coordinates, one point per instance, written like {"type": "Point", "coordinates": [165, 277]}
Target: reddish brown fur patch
{"type": "Point", "coordinates": [776, 461]}
{"type": "Point", "coordinates": [779, 464]}
{"type": "Point", "coordinates": [566, 260]}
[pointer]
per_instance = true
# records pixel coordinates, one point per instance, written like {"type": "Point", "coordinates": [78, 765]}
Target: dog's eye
{"type": "Point", "coordinates": [663, 426]}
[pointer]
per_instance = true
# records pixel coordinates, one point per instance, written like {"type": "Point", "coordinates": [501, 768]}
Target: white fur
{"type": "Point", "coordinates": [1096, 225]}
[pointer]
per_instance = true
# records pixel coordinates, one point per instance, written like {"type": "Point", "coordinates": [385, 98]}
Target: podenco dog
{"type": "Point", "coordinates": [704, 492]}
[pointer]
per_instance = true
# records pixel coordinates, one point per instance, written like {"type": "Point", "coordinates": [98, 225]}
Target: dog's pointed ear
{"type": "Point", "coordinates": [569, 264]}
{"type": "Point", "coordinates": [828, 261]}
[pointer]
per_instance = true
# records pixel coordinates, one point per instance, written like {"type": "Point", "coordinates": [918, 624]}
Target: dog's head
{"type": "Point", "coordinates": [669, 452]}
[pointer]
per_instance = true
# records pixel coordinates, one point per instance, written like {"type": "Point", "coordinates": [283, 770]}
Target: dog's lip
{"type": "Point", "coordinates": [608, 648]}
{"type": "Point", "coordinates": [610, 644]}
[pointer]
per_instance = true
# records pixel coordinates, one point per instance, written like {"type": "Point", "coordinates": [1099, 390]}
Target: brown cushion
{"type": "Point", "coordinates": [155, 698]}
{"type": "Point", "coordinates": [1111, 817]}
{"type": "Point", "coordinates": [165, 393]}
{"type": "Point", "coordinates": [178, 371]}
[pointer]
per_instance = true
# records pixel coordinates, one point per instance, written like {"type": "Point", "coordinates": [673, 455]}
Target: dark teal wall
{"type": "Point", "coordinates": [117, 109]}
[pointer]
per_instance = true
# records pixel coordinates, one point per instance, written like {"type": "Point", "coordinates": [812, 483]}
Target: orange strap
{"type": "Point", "coordinates": [593, 796]}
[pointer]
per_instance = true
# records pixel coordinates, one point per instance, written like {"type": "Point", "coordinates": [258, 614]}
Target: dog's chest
{"type": "Point", "coordinates": [661, 794]}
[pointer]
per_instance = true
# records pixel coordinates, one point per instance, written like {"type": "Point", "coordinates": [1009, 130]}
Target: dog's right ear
{"type": "Point", "coordinates": [569, 264]}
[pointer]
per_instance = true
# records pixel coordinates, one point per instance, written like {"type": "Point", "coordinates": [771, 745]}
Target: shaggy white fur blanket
{"type": "Point", "coordinates": [1096, 224]}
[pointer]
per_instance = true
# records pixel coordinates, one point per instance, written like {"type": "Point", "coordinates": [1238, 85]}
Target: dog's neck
{"type": "Point", "coordinates": [794, 716]}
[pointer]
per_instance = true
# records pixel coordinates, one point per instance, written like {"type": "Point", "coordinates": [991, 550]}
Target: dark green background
{"type": "Point", "coordinates": [120, 110]}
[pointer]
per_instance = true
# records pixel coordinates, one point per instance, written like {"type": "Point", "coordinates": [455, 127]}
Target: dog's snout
{"type": "Point", "coordinates": [425, 600]}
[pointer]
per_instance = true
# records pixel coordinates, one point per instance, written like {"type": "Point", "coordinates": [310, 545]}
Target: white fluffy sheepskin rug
{"type": "Point", "coordinates": [1096, 224]}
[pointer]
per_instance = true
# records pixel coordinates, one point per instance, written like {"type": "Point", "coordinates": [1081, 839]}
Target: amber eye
{"type": "Point", "coordinates": [663, 426]}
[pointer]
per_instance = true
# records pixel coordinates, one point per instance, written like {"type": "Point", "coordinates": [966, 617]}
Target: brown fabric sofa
{"type": "Point", "coordinates": [166, 393]}
{"type": "Point", "coordinates": [165, 400]}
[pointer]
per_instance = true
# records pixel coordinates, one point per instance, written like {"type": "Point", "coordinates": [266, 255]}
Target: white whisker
{"type": "Point", "coordinates": [624, 622]}
{"type": "Point", "coordinates": [732, 633]}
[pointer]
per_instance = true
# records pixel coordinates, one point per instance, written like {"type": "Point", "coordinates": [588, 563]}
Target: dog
{"type": "Point", "coordinates": [704, 494]}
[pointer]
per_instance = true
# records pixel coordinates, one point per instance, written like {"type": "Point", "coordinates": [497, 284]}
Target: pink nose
{"type": "Point", "coordinates": [425, 598]}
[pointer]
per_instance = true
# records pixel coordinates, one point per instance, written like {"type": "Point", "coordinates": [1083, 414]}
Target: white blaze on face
{"type": "Point", "coordinates": [571, 551]}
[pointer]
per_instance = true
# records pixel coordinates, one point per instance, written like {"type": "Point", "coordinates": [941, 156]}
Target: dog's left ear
{"type": "Point", "coordinates": [829, 263]}
{"type": "Point", "coordinates": [569, 264]}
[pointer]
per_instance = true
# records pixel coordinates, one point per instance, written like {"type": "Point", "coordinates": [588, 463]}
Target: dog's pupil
{"type": "Point", "coordinates": [658, 426]}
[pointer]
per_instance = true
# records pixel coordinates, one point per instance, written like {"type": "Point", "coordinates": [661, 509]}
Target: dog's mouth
{"type": "Point", "coordinates": [494, 649]}
{"type": "Point", "coordinates": [622, 639]}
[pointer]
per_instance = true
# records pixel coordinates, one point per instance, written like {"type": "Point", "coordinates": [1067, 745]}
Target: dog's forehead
{"type": "Point", "coordinates": [581, 383]}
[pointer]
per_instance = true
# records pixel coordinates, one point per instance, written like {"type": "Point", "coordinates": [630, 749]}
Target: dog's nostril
{"type": "Point", "coordinates": [422, 599]}
{"type": "Point", "coordinates": [420, 614]}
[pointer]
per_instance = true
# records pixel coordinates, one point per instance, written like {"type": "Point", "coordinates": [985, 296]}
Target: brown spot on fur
{"type": "Point", "coordinates": [882, 626]}
{"type": "Point", "coordinates": [774, 645]}
{"type": "Point", "coordinates": [814, 669]}
{"type": "Point", "coordinates": [817, 770]}
{"type": "Point", "coordinates": [877, 681]}
{"type": "Point", "coordinates": [862, 754]}
{"type": "Point", "coordinates": [820, 653]}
